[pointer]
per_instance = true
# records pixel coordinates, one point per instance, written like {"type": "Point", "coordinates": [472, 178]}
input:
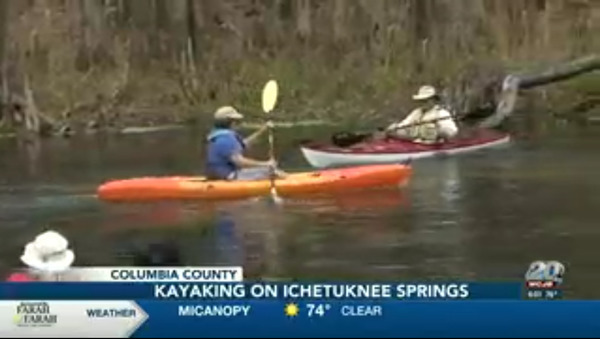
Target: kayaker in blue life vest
{"type": "Point", "coordinates": [225, 158]}
{"type": "Point", "coordinates": [429, 123]}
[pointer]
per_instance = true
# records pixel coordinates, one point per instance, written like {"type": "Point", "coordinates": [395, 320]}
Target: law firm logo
{"type": "Point", "coordinates": [34, 314]}
{"type": "Point", "coordinates": [545, 274]}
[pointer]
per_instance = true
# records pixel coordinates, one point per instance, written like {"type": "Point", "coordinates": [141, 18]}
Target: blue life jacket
{"type": "Point", "coordinates": [222, 143]}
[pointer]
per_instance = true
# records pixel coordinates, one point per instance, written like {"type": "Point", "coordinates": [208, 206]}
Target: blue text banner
{"type": "Point", "coordinates": [398, 319]}
{"type": "Point", "coordinates": [249, 290]}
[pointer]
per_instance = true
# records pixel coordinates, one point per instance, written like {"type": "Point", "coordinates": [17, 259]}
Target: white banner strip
{"type": "Point", "coordinates": [87, 319]}
{"type": "Point", "coordinates": [154, 274]}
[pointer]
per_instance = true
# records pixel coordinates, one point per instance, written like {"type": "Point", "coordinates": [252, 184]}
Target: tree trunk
{"type": "Point", "coordinates": [339, 20]}
{"type": "Point", "coordinates": [376, 10]}
{"type": "Point", "coordinates": [4, 99]}
{"type": "Point", "coordinates": [561, 72]}
{"type": "Point", "coordinates": [419, 14]}
{"type": "Point", "coordinates": [179, 25]}
{"type": "Point", "coordinates": [4, 7]}
{"type": "Point", "coordinates": [511, 85]}
{"type": "Point", "coordinates": [161, 15]}
{"type": "Point", "coordinates": [303, 19]}
{"type": "Point", "coordinates": [92, 50]}
{"type": "Point", "coordinates": [124, 13]}
{"type": "Point", "coordinates": [160, 28]}
{"type": "Point", "coordinates": [141, 15]}
{"type": "Point", "coordinates": [190, 23]}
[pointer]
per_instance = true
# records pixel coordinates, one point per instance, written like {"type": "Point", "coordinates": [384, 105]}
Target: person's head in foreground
{"type": "Point", "coordinates": [158, 254]}
{"type": "Point", "coordinates": [427, 97]}
{"type": "Point", "coordinates": [46, 257]}
{"type": "Point", "coordinates": [227, 117]}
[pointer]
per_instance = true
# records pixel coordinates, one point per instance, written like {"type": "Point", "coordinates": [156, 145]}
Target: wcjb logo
{"type": "Point", "coordinates": [545, 274]}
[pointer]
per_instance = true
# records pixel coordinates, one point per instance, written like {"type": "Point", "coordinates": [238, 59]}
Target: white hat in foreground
{"type": "Point", "coordinates": [227, 112]}
{"type": "Point", "coordinates": [425, 92]}
{"type": "Point", "coordinates": [48, 252]}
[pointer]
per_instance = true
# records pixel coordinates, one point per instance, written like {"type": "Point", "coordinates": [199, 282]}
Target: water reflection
{"type": "Point", "coordinates": [480, 216]}
{"type": "Point", "coordinates": [270, 241]}
{"type": "Point", "coordinates": [32, 149]}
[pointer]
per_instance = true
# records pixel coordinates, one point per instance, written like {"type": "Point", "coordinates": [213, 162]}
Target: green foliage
{"type": "Point", "coordinates": [354, 62]}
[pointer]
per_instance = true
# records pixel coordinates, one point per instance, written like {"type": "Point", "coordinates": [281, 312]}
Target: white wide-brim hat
{"type": "Point", "coordinates": [425, 92]}
{"type": "Point", "coordinates": [49, 252]}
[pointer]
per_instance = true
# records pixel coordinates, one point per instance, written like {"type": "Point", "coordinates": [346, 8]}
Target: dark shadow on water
{"type": "Point", "coordinates": [161, 253]}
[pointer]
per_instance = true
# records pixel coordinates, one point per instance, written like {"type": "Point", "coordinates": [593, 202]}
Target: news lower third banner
{"type": "Point", "coordinates": [262, 318]}
{"type": "Point", "coordinates": [264, 309]}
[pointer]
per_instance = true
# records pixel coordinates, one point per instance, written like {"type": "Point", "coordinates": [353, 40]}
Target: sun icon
{"type": "Point", "coordinates": [291, 310]}
{"type": "Point", "coordinates": [17, 319]}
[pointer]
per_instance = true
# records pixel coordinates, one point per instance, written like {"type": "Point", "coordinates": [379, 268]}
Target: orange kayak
{"type": "Point", "coordinates": [330, 180]}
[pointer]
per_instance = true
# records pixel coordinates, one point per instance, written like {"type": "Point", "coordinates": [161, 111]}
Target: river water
{"type": "Point", "coordinates": [483, 216]}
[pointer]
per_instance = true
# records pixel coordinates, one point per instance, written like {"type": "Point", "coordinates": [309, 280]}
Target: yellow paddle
{"type": "Point", "coordinates": [269, 99]}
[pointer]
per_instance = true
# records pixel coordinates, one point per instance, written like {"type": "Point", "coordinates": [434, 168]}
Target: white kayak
{"type": "Point", "coordinates": [390, 150]}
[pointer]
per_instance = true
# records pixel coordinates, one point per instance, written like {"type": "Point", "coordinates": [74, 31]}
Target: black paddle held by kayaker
{"type": "Point", "coordinates": [347, 139]}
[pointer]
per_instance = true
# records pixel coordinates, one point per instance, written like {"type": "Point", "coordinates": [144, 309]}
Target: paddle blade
{"type": "Point", "coordinates": [276, 198]}
{"type": "Point", "coordinates": [269, 96]}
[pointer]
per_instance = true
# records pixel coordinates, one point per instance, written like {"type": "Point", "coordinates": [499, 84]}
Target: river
{"type": "Point", "coordinates": [483, 216]}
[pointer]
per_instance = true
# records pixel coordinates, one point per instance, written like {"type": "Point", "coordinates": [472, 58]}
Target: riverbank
{"type": "Point", "coordinates": [153, 102]}
{"type": "Point", "coordinates": [173, 127]}
{"type": "Point", "coordinates": [118, 65]}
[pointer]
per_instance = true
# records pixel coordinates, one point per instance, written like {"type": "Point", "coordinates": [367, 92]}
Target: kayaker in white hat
{"type": "Point", "coordinates": [415, 127]}
{"type": "Point", "coordinates": [46, 256]}
{"type": "Point", "coordinates": [225, 158]}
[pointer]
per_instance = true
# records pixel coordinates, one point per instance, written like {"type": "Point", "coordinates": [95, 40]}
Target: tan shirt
{"type": "Point", "coordinates": [427, 132]}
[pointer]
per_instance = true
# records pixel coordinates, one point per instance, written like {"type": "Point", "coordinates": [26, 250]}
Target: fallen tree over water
{"type": "Point", "coordinates": [500, 106]}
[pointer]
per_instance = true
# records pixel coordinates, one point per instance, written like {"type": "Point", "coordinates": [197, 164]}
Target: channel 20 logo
{"type": "Point", "coordinates": [545, 274]}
